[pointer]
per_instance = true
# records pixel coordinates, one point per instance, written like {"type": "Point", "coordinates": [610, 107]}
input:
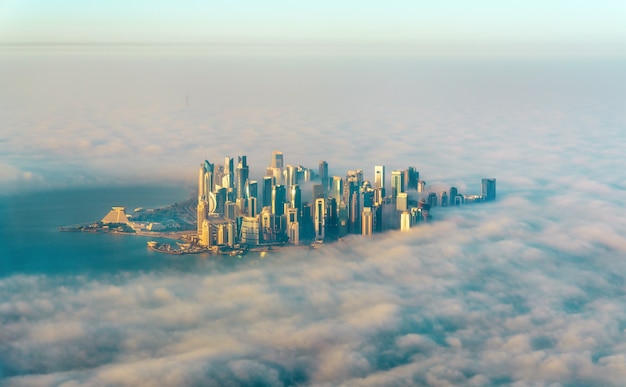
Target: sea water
{"type": "Point", "coordinates": [31, 243]}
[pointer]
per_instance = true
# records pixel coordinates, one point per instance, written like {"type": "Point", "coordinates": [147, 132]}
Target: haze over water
{"type": "Point", "coordinates": [527, 289]}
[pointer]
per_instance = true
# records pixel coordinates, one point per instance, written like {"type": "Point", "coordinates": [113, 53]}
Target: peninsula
{"type": "Point", "coordinates": [233, 214]}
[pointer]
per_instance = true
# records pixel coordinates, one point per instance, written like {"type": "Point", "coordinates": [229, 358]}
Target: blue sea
{"type": "Point", "coordinates": [30, 242]}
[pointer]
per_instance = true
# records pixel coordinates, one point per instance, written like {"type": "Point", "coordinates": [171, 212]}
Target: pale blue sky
{"type": "Point", "coordinates": [452, 22]}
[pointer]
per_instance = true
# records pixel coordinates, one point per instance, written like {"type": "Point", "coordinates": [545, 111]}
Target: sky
{"type": "Point", "coordinates": [527, 290]}
{"type": "Point", "coordinates": [453, 24]}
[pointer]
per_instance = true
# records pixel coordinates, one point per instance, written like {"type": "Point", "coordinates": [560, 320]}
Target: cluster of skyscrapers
{"type": "Point", "coordinates": [233, 211]}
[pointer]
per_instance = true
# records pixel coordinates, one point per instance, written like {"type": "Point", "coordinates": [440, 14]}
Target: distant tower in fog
{"type": "Point", "coordinates": [489, 189]}
{"type": "Point", "coordinates": [453, 193]}
{"type": "Point", "coordinates": [277, 160]}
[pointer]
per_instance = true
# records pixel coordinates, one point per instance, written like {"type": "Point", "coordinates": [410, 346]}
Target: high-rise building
{"type": "Point", "coordinates": [336, 189]}
{"type": "Point", "coordinates": [342, 220]}
{"type": "Point", "coordinates": [294, 233]}
{"type": "Point", "coordinates": [397, 183]}
{"type": "Point", "coordinates": [405, 221]}
{"type": "Point", "coordinates": [453, 193]}
{"type": "Point", "coordinates": [444, 199]}
{"type": "Point", "coordinates": [201, 186]}
{"type": "Point", "coordinates": [489, 189]}
{"type": "Point", "coordinates": [318, 191]}
{"type": "Point", "coordinates": [323, 172]}
{"type": "Point", "coordinates": [421, 186]}
{"type": "Point", "coordinates": [230, 210]}
{"type": "Point", "coordinates": [205, 234]}
{"type": "Point", "coordinates": [290, 176]}
{"type": "Point", "coordinates": [268, 182]}
{"type": "Point", "coordinates": [354, 209]}
{"type": "Point", "coordinates": [320, 219]}
{"type": "Point", "coordinates": [368, 196]}
{"type": "Point", "coordinates": [377, 213]}
{"type": "Point", "coordinates": [209, 183]}
{"type": "Point", "coordinates": [278, 199]}
{"type": "Point", "coordinates": [432, 199]}
{"type": "Point", "coordinates": [221, 197]}
{"type": "Point", "coordinates": [379, 176]}
{"type": "Point", "coordinates": [252, 190]}
{"type": "Point", "coordinates": [201, 215]}
{"type": "Point", "coordinates": [367, 221]}
{"type": "Point", "coordinates": [229, 173]}
{"type": "Point", "coordinates": [277, 160]}
{"type": "Point", "coordinates": [402, 201]}
{"type": "Point", "coordinates": [241, 177]}
{"type": "Point", "coordinates": [411, 177]}
{"type": "Point", "coordinates": [250, 230]}
{"type": "Point", "coordinates": [332, 220]}
{"type": "Point", "coordinates": [296, 198]}
{"type": "Point", "coordinates": [252, 206]}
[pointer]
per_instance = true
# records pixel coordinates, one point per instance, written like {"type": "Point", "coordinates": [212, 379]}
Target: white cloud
{"type": "Point", "coordinates": [526, 290]}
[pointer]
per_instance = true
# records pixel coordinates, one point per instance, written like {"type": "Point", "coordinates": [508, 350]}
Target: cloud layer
{"type": "Point", "coordinates": [474, 299]}
{"type": "Point", "coordinates": [526, 290]}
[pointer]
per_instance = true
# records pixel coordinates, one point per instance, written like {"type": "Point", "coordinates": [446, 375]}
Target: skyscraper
{"type": "Point", "coordinates": [432, 199]}
{"type": "Point", "coordinates": [323, 172]}
{"type": "Point", "coordinates": [405, 221]}
{"type": "Point", "coordinates": [444, 199]}
{"type": "Point", "coordinates": [336, 189]}
{"type": "Point", "coordinates": [379, 176]}
{"type": "Point", "coordinates": [242, 177]}
{"type": "Point", "coordinates": [278, 200]}
{"type": "Point", "coordinates": [453, 193]}
{"type": "Point", "coordinates": [201, 187]}
{"type": "Point", "coordinates": [268, 182]}
{"type": "Point", "coordinates": [296, 198]}
{"type": "Point", "coordinates": [229, 173]}
{"type": "Point", "coordinates": [411, 177]}
{"type": "Point", "coordinates": [209, 183]}
{"type": "Point", "coordinates": [277, 160]}
{"type": "Point", "coordinates": [367, 221]}
{"type": "Point", "coordinates": [402, 201]}
{"type": "Point", "coordinates": [397, 183]}
{"type": "Point", "coordinates": [320, 219]}
{"type": "Point", "coordinates": [489, 189]}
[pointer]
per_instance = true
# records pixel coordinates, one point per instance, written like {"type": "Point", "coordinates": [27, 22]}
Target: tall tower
{"type": "Point", "coordinates": [229, 176]}
{"type": "Point", "coordinates": [453, 193]}
{"type": "Point", "coordinates": [367, 225]}
{"type": "Point", "coordinates": [336, 189]}
{"type": "Point", "coordinates": [397, 183]}
{"type": "Point", "coordinates": [209, 184]}
{"type": "Point", "coordinates": [201, 186]}
{"type": "Point", "coordinates": [379, 176]}
{"type": "Point", "coordinates": [278, 200]}
{"type": "Point", "coordinates": [268, 183]}
{"type": "Point", "coordinates": [296, 198]}
{"type": "Point", "coordinates": [411, 177]}
{"type": "Point", "coordinates": [323, 172]}
{"type": "Point", "coordinates": [242, 177]}
{"type": "Point", "coordinates": [277, 160]}
{"type": "Point", "coordinates": [489, 189]}
{"type": "Point", "coordinates": [405, 221]}
{"type": "Point", "coordinates": [201, 215]}
{"type": "Point", "coordinates": [320, 219]}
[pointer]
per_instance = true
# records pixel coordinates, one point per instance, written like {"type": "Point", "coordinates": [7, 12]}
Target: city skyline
{"type": "Point", "coordinates": [228, 213]}
{"type": "Point", "coordinates": [525, 289]}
